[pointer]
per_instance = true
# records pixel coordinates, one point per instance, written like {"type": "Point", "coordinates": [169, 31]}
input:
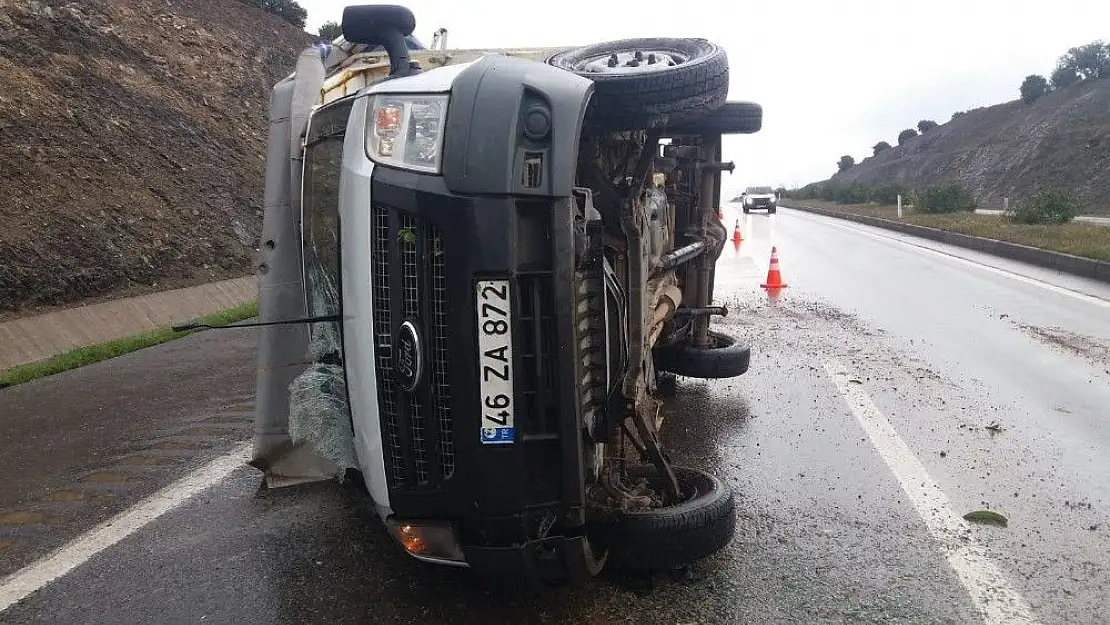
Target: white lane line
{"type": "Point", "coordinates": [990, 591]}
{"type": "Point", "coordinates": [37, 575]}
{"type": "Point", "coordinates": [1090, 299]}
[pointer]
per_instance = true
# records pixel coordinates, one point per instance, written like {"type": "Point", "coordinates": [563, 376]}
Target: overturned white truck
{"type": "Point", "coordinates": [483, 269]}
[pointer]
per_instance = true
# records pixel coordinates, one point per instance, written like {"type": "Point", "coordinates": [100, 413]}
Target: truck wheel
{"type": "Point", "coordinates": [659, 539]}
{"type": "Point", "coordinates": [734, 118]}
{"type": "Point", "coordinates": [726, 358]}
{"type": "Point", "coordinates": [640, 83]}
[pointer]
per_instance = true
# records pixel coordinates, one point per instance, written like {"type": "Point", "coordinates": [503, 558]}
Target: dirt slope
{"type": "Point", "coordinates": [1011, 150]}
{"type": "Point", "coordinates": [132, 138]}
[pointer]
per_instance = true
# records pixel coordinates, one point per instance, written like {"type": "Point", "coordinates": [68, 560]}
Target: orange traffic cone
{"type": "Point", "coordinates": [774, 276]}
{"type": "Point", "coordinates": [736, 236]}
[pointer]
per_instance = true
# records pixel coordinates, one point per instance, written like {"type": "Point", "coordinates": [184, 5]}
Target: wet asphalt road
{"type": "Point", "coordinates": [999, 385]}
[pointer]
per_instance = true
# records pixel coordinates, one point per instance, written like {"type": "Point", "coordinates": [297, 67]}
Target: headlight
{"type": "Point", "coordinates": [747, 200]}
{"type": "Point", "coordinates": [406, 131]}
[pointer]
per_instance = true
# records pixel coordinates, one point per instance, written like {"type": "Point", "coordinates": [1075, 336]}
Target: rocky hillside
{"type": "Point", "coordinates": [1011, 150]}
{"type": "Point", "coordinates": [133, 137]}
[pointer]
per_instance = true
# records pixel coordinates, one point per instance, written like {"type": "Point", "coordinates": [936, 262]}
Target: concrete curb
{"type": "Point", "coordinates": [35, 338]}
{"type": "Point", "coordinates": [1067, 263]}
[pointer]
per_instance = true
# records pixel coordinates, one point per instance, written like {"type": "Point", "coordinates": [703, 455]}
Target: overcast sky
{"type": "Point", "coordinates": [833, 77]}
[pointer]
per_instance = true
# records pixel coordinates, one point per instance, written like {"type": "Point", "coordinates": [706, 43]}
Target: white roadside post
{"type": "Point", "coordinates": [1006, 205]}
{"type": "Point", "coordinates": [899, 206]}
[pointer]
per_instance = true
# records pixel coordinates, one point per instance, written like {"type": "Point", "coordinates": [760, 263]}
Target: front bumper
{"type": "Point", "coordinates": [539, 559]}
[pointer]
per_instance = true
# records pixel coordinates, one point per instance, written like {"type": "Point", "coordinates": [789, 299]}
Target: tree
{"type": "Point", "coordinates": [1090, 62]}
{"type": "Point", "coordinates": [287, 10]}
{"type": "Point", "coordinates": [1033, 87]}
{"type": "Point", "coordinates": [1063, 77]}
{"type": "Point", "coordinates": [906, 135]}
{"type": "Point", "coordinates": [330, 30]}
{"type": "Point", "coordinates": [926, 125]}
{"type": "Point", "coordinates": [846, 163]}
{"type": "Point", "coordinates": [880, 146]}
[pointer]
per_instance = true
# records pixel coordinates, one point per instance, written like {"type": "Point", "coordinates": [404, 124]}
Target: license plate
{"type": "Point", "coordinates": [495, 361]}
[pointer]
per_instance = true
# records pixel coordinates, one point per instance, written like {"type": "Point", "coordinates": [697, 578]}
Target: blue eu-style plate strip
{"type": "Point", "coordinates": [498, 436]}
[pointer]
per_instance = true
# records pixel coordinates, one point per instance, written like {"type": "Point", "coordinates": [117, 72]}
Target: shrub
{"type": "Point", "coordinates": [808, 192]}
{"type": "Point", "coordinates": [844, 192]}
{"type": "Point", "coordinates": [854, 193]}
{"type": "Point", "coordinates": [888, 193]}
{"type": "Point", "coordinates": [947, 197]}
{"type": "Point", "coordinates": [926, 125]}
{"type": "Point", "coordinates": [329, 31]}
{"type": "Point", "coordinates": [1033, 87]}
{"type": "Point", "coordinates": [845, 163]}
{"type": "Point", "coordinates": [1052, 205]}
{"type": "Point", "coordinates": [811, 191]}
{"type": "Point", "coordinates": [958, 114]}
{"type": "Point", "coordinates": [906, 135]}
{"type": "Point", "coordinates": [880, 146]}
{"type": "Point", "coordinates": [287, 10]}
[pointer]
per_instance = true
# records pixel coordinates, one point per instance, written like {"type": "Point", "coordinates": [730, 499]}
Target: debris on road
{"type": "Point", "coordinates": [986, 517]}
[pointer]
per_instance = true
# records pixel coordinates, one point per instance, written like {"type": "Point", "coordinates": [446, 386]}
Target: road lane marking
{"type": "Point", "coordinates": [1090, 299]}
{"type": "Point", "coordinates": [41, 573]}
{"type": "Point", "coordinates": [990, 591]}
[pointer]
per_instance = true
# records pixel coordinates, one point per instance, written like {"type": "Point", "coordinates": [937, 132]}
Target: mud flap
{"type": "Point", "coordinates": [283, 352]}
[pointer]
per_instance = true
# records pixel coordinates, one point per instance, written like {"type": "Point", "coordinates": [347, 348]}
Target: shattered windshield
{"type": "Point", "coordinates": [319, 412]}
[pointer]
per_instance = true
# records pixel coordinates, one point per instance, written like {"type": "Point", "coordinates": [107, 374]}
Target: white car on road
{"type": "Point", "coordinates": [759, 198]}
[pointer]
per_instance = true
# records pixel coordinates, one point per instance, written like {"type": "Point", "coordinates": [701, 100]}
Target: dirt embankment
{"type": "Point", "coordinates": [133, 143]}
{"type": "Point", "coordinates": [1010, 150]}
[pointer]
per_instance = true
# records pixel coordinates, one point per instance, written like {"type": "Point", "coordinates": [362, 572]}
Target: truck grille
{"type": "Point", "coordinates": [409, 283]}
{"type": "Point", "coordinates": [538, 351]}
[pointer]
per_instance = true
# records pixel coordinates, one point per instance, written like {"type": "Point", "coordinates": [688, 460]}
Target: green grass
{"type": "Point", "coordinates": [87, 355]}
{"type": "Point", "coordinates": [1077, 238]}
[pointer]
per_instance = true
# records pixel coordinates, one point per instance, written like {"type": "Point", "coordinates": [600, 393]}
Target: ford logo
{"type": "Point", "coordinates": [409, 359]}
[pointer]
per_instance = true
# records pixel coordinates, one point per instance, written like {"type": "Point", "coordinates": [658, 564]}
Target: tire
{"type": "Point", "coordinates": [728, 358]}
{"type": "Point", "coordinates": [666, 538]}
{"type": "Point", "coordinates": [631, 98]}
{"type": "Point", "coordinates": [734, 118]}
{"type": "Point", "coordinates": [747, 210]}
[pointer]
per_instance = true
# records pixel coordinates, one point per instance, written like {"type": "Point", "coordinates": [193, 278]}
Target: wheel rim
{"type": "Point", "coordinates": [629, 61]}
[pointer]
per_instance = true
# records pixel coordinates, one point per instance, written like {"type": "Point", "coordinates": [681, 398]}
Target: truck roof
{"type": "Point", "coordinates": [351, 67]}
